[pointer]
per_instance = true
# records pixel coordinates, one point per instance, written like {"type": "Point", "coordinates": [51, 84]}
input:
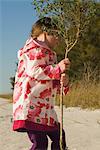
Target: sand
{"type": "Point", "coordinates": [82, 129]}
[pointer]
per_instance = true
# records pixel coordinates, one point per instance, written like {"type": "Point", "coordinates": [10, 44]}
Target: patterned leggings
{"type": "Point", "coordinates": [40, 140]}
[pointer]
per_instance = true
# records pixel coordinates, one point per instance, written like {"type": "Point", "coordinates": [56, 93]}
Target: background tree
{"type": "Point", "coordinates": [86, 53]}
{"type": "Point", "coordinates": [73, 18]}
{"type": "Point", "coordinates": [12, 81]}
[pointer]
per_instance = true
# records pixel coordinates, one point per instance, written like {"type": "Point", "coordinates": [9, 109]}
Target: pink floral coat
{"type": "Point", "coordinates": [36, 84]}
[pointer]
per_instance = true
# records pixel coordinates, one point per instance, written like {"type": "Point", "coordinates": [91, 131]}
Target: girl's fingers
{"type": "Point", "coordinates": [66, 61]}
{"type": "Point", "coordinates": [63, 74]}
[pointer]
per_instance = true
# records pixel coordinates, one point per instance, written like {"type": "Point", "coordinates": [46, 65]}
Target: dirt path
{"type": "Point", "coordinates": [82, 129]}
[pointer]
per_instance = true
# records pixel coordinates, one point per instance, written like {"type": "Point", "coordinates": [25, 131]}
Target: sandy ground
{"type": "Point", "coordinates": [82, 129]}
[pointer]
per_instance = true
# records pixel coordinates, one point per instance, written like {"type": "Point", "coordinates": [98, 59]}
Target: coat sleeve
{"type": "Point", "coordinates": [37, 65]}
{"type": "Point", "coordinates": [56, 84]}
{"type": "Point", "coordinates": [65, 90]}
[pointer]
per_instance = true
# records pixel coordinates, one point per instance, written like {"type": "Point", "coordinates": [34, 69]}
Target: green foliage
{"type": "Point", "coordinates": [69, 15]}
{"type": "Point", "coordinates": [78, 22]}
{"type": "Point", "coordinates": [74, 19]}
{"type": "Point", "coordinates": [87, 49]}
{"type": "Point", "coordinates": [12, 81]}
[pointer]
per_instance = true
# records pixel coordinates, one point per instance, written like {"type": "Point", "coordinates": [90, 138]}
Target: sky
{"type": "Point", "coordinates": [16, 20]}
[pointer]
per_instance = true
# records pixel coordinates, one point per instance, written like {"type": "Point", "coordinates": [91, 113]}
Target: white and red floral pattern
{"type": "Point", "coordinates": [36, 83]}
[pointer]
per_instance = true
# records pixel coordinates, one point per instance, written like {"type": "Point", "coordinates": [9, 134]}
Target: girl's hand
{"type": "Point", "coordinates": [64, 79]}
{"type": "Point", "coordinates": [64, 65]}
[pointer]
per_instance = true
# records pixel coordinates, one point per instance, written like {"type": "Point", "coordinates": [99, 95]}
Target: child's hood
{"type": "Point", "coordinates": [26, 47]}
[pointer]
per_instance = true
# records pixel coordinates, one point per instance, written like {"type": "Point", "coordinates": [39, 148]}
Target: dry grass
{"type": "Point", "coordinates": [83, 95]}
{"type": "Point", "coordinates": [6, 96]}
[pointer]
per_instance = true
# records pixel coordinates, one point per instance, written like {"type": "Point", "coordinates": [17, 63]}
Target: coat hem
{"type": "Point", "coordinates": [25, 126]}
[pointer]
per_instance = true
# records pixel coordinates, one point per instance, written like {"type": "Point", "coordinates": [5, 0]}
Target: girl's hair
{"type": "Point", "coordinates": [43, 24]}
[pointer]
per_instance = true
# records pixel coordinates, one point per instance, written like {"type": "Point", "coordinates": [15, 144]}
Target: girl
{"type": "Point", "coordinates": [36, 83]}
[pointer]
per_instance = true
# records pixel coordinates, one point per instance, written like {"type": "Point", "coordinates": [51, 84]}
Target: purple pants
{"type": "Point", "coordinates": [40, 140]}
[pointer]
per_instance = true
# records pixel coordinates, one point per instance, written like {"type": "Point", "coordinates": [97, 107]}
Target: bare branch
{"type": "Point", "coordinates": [77, 36]}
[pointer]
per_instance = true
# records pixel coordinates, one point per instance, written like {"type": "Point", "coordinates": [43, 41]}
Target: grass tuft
{"type": "Point", "coordinates": [82, 95]}
{"type": "Point", "coordinates": [6, 96]}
